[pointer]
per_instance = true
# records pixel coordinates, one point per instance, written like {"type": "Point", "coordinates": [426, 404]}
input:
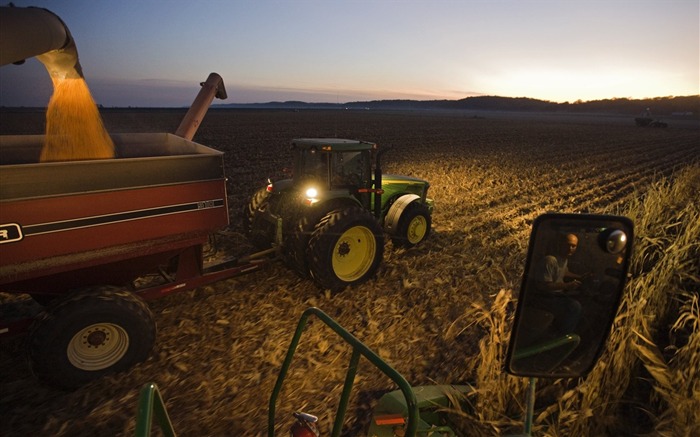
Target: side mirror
{"type": "Point", "coordinates": [574, 277]}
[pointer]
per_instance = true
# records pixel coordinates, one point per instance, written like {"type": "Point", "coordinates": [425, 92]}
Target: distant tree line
{"type": "Point", "coordinates": [658, 105]}
{"type": "Point", "coordinates": [688, 106]}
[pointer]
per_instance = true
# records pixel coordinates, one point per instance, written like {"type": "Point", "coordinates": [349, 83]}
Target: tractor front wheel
{"type": "Point", "coordinates": [88, 334]}
{"type": "Point", "coordinates": [345, 248]}
{"type": "Point", "coordinates": [414, 225]}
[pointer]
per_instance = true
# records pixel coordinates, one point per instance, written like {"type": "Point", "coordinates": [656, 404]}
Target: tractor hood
{"type": "Point", "coordinates": [391, 178]}
{"type": "Point", "coordinates": [394, 185]}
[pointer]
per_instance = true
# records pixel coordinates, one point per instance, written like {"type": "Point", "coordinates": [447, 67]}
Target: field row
{"type": "Point", "coordinates": [220, 347]}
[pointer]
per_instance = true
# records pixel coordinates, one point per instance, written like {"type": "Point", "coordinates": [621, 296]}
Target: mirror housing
{"type": "Point", "coordinates": [575, 273]}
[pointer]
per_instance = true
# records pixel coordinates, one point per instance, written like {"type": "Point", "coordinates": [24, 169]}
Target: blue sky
{"type": "Point", "coordinates": [155, 53]}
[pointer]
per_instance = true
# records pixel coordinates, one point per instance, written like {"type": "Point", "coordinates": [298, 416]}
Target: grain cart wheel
{"type": "Point", "coordinates": [346, 248]}
{"type": "Point", "coordinates": [88, 334]}
{"type": "Point", "coordinates": [256, 228]}
{"type": "Point", "coordinates": [408, 221]}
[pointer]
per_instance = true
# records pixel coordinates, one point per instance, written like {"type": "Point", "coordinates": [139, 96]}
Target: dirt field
{"type": "Point", "coordinates": [220, 347]}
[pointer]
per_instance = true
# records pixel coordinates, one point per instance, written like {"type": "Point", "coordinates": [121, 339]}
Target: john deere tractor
{"type": "Point", "coordinates": [329, 218]}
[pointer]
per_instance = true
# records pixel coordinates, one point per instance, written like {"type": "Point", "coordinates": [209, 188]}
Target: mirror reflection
{"type": "Point", "coordinates": [575, 273]}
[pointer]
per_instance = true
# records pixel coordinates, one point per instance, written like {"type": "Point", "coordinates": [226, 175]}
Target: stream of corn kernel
{"type": "Point", "coordinates": [74, 128]}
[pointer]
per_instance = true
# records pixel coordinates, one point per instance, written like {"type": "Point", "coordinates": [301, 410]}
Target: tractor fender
{"type": "Point", "coordinates": [391, 221]}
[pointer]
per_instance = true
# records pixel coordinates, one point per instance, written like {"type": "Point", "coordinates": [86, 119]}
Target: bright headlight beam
{"type": "Point", "coordinates": [311, 193]}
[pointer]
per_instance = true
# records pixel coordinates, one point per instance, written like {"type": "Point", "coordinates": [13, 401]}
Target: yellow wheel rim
{"type": "Point", "coordinates": [98, 346]}
{"type": "Point", "coordinates": [354, 253]}
{"type": "Point", "coordinates": [417, 229]}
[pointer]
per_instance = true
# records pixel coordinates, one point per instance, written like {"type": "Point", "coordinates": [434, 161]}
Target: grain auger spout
{"type": "Point", "coordinates": [74, 129]}
{"type": "Point", "coordinates": [36, 32]}
{"type": "Point", "coordinates": [212, 87]}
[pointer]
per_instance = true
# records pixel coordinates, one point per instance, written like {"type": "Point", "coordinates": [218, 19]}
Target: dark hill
{"type": "Point", "coordinates": [684, 105]}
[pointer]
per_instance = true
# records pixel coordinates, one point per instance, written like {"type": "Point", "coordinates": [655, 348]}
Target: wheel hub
{"type": "Point", "coordinates": [354, 253]}
{"type": "Point", "coordinates": [417, 229]}
{"type": "Point", "coordinates": [96, 338]}
{"type": "Point", "coordinates": [98, 346]}
{"type": "Point", "coordinates": [343, 248]}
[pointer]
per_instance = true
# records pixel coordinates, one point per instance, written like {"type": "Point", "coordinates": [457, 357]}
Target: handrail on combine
{"type": "Point", "coordinates": [151, 404]}
{"type": "Point", "coordinates": [358, 349]}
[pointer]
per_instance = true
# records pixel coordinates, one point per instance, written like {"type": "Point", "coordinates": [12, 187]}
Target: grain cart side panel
{"type": "Point", "coordinates": [142, 160]}
{"type": "Point", "coordinates": [162, 194]}
{"type": "Point", "coordinates": [72, 225]}
{"type": "Point", "coordinates": [116, 265]}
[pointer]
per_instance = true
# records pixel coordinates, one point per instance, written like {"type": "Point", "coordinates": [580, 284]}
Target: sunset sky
{"type": "Point", "coordinates": [155, 53]}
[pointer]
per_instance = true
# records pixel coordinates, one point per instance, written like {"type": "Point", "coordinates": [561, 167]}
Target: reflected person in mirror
{"type": "Point", "coordinates": [557, 284]}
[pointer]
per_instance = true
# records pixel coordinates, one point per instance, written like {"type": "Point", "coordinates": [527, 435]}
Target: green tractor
{"type": "Point", "coordinates": [329, 218]}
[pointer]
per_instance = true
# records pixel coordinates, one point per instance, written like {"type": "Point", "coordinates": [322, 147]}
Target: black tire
{"type": "Point", "coordinates": [259, 232]}
{"type": "Point", "coordinates": [295, 244]}
{"type": "Point", "coordinates": [414, 226]}
{"type": "Point", "coordinates": [296, 238]}
{"type": "Point", "coordinates": [44, 299]}
{"type": "Point", "coordinates": [88, 334]}
{"type": "Point", "coordinates": [346, 248]}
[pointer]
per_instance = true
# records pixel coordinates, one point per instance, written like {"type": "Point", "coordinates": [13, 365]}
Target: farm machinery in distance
{"type": "Point", "coordinates": [646, 120]}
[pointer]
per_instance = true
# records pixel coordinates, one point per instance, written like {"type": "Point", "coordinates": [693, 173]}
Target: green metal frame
{"type": "Point", "coordinates": [151, 404]}
{"type": "Point", "coordinates": [358, 349]}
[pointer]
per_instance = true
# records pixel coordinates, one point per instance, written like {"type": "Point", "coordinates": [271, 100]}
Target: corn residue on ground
{"type": "Point", "coordinates": [438, 313]}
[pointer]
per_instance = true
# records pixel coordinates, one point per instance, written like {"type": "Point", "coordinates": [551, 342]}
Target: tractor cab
{"type": "Point", "coordinates": [334, 163]}
{"type": "Point", "coordinates": [326, 168]}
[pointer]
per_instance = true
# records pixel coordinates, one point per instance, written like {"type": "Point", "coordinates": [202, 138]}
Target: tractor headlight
{"type": "Point", "coordinates": [311, 196]}
{"type": "Point", "coordinates": [311, 193]}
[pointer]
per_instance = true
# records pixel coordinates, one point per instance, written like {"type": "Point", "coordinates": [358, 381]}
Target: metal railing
{"type": "Point", "coordinates": [151, 404]}
{"type": "Point", "coordinates": [358, 349]}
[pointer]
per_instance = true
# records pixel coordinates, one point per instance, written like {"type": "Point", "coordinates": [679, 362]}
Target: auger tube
{"type": "Point", "coordinates": [36, 32]}
{"type": "Point", "coordinates": [212, 87]}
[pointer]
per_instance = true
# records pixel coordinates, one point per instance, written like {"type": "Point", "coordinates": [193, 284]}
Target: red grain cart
{"type": "Point", "coordinates": [78, 237]}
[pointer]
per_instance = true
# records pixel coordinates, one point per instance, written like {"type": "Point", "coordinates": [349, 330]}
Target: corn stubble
{"type": "Point", "coordinates": [663, 291]}
{"type": "Point", "coordinates": [439, 313]}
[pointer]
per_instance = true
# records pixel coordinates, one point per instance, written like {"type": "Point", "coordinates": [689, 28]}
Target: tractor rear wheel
{"type": "Point", "coordinates": [258, 232]}
{"type": "Point", "coordinates": [295, 244]}
{"type": "Point", "coordinates": [296, 239]}
{"type": "Point", "coordinates": [88, 334]}
{"type": "Point", "coordinates": [414, 225]}
{"type": "Point", "coordinates": [345, 248]}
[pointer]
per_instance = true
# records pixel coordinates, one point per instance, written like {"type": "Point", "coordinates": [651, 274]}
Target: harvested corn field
{"type": "Point", "coordinates": [220, 347]}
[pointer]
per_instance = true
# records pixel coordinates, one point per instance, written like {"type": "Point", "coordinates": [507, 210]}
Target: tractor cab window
{"type": "Point", "coordinates": [349, 169]}
{"type": "Point", "coordinates": [312, 165]}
